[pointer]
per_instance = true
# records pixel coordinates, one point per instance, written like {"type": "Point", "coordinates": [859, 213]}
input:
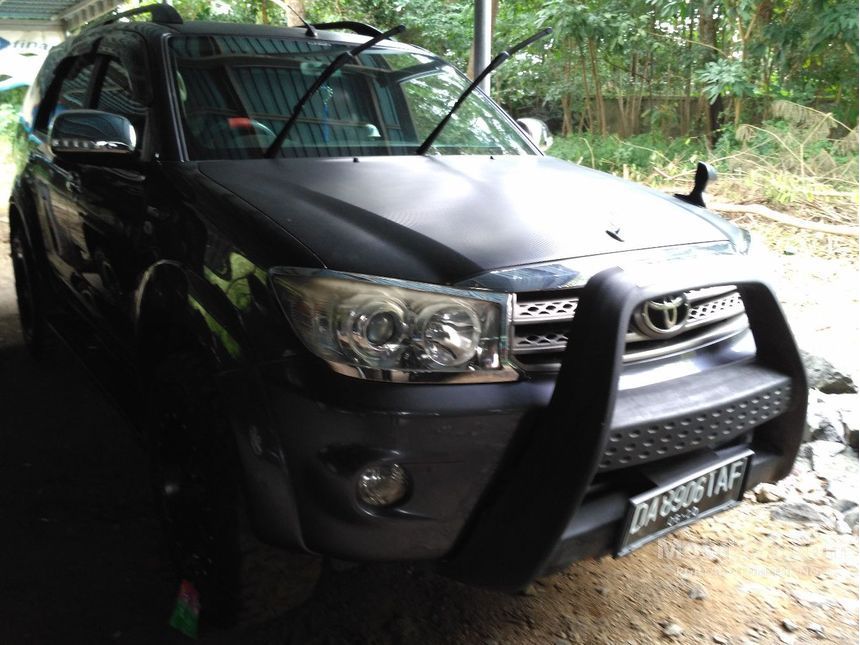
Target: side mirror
{"type": "Point", "coordinates": [92, 136]}
{"type": "Point", "coordinates": [705, 173]}
{"type": "Point", "coordinates": [537, 131]}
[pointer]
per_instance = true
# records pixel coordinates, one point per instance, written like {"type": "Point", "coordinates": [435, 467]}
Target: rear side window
{"type": "Point", "coordinates": [36, 92]}
{"type": "Point", "coordinates": [117, 97]}
{"type": "Point", "coordinates": [30, 106]}
{"type": "Point", "coordinates": [74, 89]}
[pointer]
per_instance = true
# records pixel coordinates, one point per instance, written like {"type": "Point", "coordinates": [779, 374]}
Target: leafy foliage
{"type": "Point", "coordinates": [636, 157]}
{"type": "Point", "coordinates": [732, 53]}
{"type": "Point", "coordinates": [724, 77]}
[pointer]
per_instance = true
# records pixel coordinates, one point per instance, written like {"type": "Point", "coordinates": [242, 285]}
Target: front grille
{"type": "Point", "coordinates": [542, 325]}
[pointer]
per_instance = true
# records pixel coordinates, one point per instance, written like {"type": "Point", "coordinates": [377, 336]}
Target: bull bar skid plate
{"type": "Point", "coordinates": [520, 522]}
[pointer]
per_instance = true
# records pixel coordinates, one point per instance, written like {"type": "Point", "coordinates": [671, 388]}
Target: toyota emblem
{"type": "Point", "coordinates": [662, 317]}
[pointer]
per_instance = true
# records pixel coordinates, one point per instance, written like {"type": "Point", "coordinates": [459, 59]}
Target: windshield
{"type": "Point", "coordinates": [236, 92]}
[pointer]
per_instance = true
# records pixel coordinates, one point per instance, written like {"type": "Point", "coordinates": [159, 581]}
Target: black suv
{"type": "Point", "coordinates": [386, 332]}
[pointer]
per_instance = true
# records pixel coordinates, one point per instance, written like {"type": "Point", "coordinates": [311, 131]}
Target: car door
{"type": "Point", "coordinates": [112, 200]}
{"type": "Point", "coordinates": [57, 183]}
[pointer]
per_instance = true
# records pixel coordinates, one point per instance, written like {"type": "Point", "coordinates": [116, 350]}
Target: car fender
{"type": "Point", "coordinates": [175, 308]}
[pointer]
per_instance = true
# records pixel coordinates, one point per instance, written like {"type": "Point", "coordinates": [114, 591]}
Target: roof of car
{"type": "Point", "coordinates": [204, 28]}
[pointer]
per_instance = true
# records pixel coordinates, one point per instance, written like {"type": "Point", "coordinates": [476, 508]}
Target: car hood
{"type": "Point", "coordinates": [443, 219]}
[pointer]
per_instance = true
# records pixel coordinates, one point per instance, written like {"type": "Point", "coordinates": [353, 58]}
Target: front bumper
{"type": "Point", "coordinates": [532, 474]}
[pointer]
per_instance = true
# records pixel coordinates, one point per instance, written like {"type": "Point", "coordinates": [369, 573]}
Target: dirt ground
{"type": "Point", "coordinates": [81, 560]}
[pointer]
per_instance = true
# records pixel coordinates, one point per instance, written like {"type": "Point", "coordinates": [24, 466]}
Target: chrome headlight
{"type": "Point", "coordinates": [389, 329]}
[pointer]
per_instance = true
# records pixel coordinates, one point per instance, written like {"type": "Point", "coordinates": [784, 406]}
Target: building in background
{"type": "Point", "coordinates": [29, 28]}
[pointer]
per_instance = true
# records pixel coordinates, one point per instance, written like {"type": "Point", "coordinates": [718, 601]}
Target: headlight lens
{"type": "Point", "coordinates": [450, 334]}
{"type": "Point", "coordinates": [393, 325]}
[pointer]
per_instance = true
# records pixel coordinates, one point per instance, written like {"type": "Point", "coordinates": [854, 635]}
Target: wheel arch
{"type": "Point", "coordinates": [176, 311]}
{"type": "Point", "coordinates": [175, 308]}
{"type": "Point", "coordinates": [22, 212]}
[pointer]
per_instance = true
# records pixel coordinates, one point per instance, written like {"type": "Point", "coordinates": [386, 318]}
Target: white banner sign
{"type": "Point", "coordinates": [22, 52]}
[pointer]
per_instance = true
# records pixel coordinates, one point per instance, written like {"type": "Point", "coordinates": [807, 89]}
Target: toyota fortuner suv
{"type": "Point", "coordinates": [358, 306]}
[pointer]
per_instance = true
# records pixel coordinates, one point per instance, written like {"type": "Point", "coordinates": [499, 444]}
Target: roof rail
{"type": "Point", "coordinates": [161, 13]}
{"type": "Point", "coordinates": [352, 25]}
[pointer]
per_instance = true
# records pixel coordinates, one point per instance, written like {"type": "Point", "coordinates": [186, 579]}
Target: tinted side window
{"type": "Point", "coordinates": [116, 97]}
{"type": "Point", "coordinates": [74, 89]}
{"type": "Point", "coordinates": [37, 91]}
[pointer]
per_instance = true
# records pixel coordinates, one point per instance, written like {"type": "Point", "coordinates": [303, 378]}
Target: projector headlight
{"type": "Point", "coordinates": [387, 329]}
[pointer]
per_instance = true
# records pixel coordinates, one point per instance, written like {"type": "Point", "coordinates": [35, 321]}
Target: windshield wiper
{"type": "Point", "coordinates": [326, 74]}
{"type": "Point", "coordinates": [498, 60]}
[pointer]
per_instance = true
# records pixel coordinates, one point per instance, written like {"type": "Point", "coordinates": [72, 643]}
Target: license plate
{"type": "Point", "coordinates": [684, 500]}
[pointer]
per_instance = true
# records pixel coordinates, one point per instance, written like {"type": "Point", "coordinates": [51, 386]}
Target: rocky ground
{"type": "Point", "coordinates": [80, 559]}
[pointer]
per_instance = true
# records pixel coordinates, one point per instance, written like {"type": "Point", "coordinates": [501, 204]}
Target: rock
{"type": "Point", "coordinates": [529, 590]}
{"type": "Point", "coordinates": [800, 538]}
{"type": "Point", "coordinates": [840, 470]}
{"type": "Point", "coordinates": [845, 494]}
{"type": "Point", "coordinates": [850, 518]}
{"type": "Point", "coordinates": [789, 625]}
{"type": "Point", "coordinates": [720, 640]}
{"type": "Point", "coordinates": [562, 641]}
{"type": "Point", "coordinates": [844, 505]}
{"type": "Point", "coordinates": [697, 593]}
{"type": "Point", "coordinates": [824, 377]}
{"type": "Point", "coordinates": [842, 528]}
{"type": "Point", "coordinates": [823, 418]}
{"type": "Point", "coordinates": [811, 599]}
{"type": "Point", "coordinates": [802, 464]}
{"type": "Point", "coordinates": [816, 629]}
{"type": "Point", "coordinates": [821, 451]}
{"type": "Point", "coordinates": [806, 483]}
{"type": "Point", "coordinates": [757, 631]}
{"type": "Point", "coordinates": [766, 493]}
{"type": "Point", "coordinates": [801, 512]}
{"type": "Point", "coordinates": [818, 498]}
{"type": "Point", "coordinates": [672, 630]}
{"type": "Point", "coordinates": [833, 417]}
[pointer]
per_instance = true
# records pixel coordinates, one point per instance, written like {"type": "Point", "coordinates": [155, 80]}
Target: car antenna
{"type": "Point", "coordinates": [326, 74]}
{"type": "Point", "coordinates": [310, 32]}
{"type": "Point", "coordinates": [500, 58]}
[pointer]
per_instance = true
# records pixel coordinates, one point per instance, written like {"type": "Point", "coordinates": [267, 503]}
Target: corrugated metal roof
{"type": "Point", "coordinates": [35, 9]}
{"type": "Point", "coordinates": [68, 13]}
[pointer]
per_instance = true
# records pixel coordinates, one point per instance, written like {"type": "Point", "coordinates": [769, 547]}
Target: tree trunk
{"type": "Point", "coordinates": [586, 108]}
{"type": "Point", "coordinates": [622, 114]}
{"type": "Point", "coordinates": [598, 93]}
{"type": "Point", "coordinates": [686, 117]}
{"type": "Point", "coordinates": [634, 102]}
{"type": "Point", "coordinates": [708, 37]}
{"type": "Point", "coordinates": [298, 6]}
{"type": "Point", "coordinates": [566, 99]}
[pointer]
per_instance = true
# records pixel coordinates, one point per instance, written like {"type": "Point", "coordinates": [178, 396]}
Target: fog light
{"type": "Point", "coordinates": [383, 485]}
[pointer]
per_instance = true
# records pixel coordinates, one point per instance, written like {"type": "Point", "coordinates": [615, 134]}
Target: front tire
{"type": "Point", "coordinates": [197, 482]}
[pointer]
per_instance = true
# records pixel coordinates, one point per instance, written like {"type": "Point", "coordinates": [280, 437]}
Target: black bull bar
{"type": "Point", "coordinates": [514, 535]}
